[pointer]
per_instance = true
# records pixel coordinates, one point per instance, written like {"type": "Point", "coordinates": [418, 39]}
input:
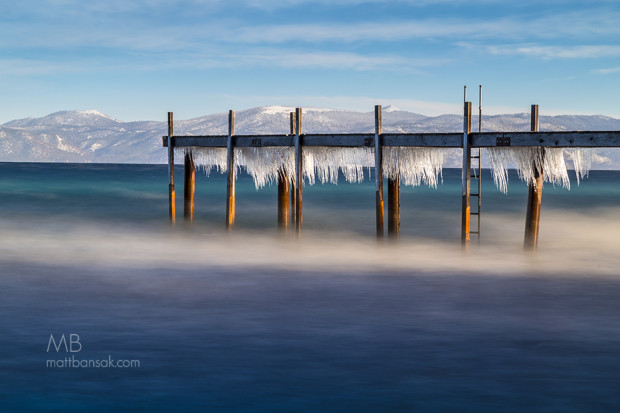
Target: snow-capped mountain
{"type": "Point", "coordinates": [90, 136]}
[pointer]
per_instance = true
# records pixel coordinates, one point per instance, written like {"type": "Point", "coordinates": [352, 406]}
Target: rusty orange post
{"type": "Point", "coordinates": [299, 178]}
{"type": "Point", "coordinates": [189, 187]}
{"type": "Point", "coordinates": [230, 162]}
{"type": "Point", "coordinates": [379, 172]}
{"type": "Point", "coordinates": [171, 195]}
{"type": "Point", "coordinates": [534, 197]}
{"type": "Point", "coordinates": [466, 177]}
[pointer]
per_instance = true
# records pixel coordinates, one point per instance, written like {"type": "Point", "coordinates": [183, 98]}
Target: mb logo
{"type": "Point", "coordinates": [73, 346]}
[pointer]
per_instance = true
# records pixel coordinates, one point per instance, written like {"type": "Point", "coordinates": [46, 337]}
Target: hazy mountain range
{"type": "Point", "coordinates": [90, 136]}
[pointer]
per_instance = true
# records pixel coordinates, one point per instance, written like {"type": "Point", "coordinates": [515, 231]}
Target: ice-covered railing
{"type": "Point", "coordinates": [552, 161]}
{"type": "Point", "coordinates": [414, 166]}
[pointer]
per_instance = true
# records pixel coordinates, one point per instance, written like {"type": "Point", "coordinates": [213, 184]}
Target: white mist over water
{"type": "Point", "coordinates": [586, 247]}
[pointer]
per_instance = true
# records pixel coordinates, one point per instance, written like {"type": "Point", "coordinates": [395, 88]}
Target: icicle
{"type": "Point", "coordinates": [582, 161]}
{"type": "Point", "coordinates": [527, 159]}
{"type": "Point", "coordinates": [414, 165]}
{"type": "Point", "coordinates": [264, 164]}
{"type": "Point", "coordinates": [324, 163]}
{"type": "Point", "coordinates": [180, 152]}
{"type": "Point", "coordinates": [554, 168]}
{"type": "Point", "coordinates": [206, 159]}
{"type": "Point", "coordinates": [499, 159]}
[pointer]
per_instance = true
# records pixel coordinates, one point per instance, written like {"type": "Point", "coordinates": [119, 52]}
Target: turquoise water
{"type": "Point", "coordinates": [333, 322]}
{"type": "Point", "coordinates": [137, 195]}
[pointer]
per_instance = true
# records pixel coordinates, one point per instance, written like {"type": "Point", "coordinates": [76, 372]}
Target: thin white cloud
{"type": "Point", "coordinates": [559, 52]}
{"type": "Point", "coordinates": [269, 58]}
{"type": "Point", "coordinates": [390, 31]}
{"type": "Point", "coordinates": [574, 25]}
{"type": "Point", "coordinates": [280, 4]}
{"type": "Point", "coordinates": [89, 28]}
{"type": "Point", "coordinates": [607, 71]}
{"type": "Point", "coordinates": [31, 67]}
{"type": "Point", "coordinates": [337, 60]}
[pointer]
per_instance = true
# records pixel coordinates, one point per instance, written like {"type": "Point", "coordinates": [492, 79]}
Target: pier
{"type": "Point", "coordinates": [290, 188]}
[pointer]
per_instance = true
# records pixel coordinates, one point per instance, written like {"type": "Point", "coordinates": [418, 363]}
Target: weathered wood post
{"type": "Point", "coordinates": [284, 193]}
{"type": "Point", "coordinates": [466, 176]}
{"type": "Point", "coordinates": [534, 197]}
{"type": "Point", "coordinates": [379, 171]}
{"type": "Point", "coordinates": [283, 201]}
{"type": "Point", "coordinates": [189, 187]}
{"type": "Point", "coordinates": [299, 177]}
{"type": "Point", "coordinates": [293, 193]}
{"type": "Point", "coordinates": [394, 208]}
{"type": "Point", "coordinates": [171, 196]}
{"type": "Point", "coordinates": [230, 162]}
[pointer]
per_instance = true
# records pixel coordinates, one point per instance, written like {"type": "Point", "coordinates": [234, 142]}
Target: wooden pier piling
{"type": "Point", "coordinates": [293, 191]}
{"type": "Point", "coordinates": [189, 187]}
{"type": "Point", "coordinates": [284, 201]}
{"type": "Point", "coordinates": [171, 195]}
{"type": "Point", "coordinates": [466, 177]}
{"type": "Point", "coordinates": [230, 162]}
{"type": "Point", "coordinates": [534, 197]}
{"type": "Point", "coordinates": [299, 177]}
{"type": "Point", "coordinates": [394, 208]}
{"type": "Point", "coordinates": [379, 171]}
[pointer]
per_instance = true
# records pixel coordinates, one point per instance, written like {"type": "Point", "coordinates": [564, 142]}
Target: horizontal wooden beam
{"type": "Point", "coordinates": [574, 139]}
{"type": "Point", "coordinates": [342, 140]}
{"type": "Point", "coordinates": [445, 140]}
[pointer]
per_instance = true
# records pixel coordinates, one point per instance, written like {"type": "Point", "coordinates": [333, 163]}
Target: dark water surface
{"type": "Point", "coordinates": [330, 323]}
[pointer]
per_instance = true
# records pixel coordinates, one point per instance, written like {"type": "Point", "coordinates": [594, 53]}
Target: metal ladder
{"type": "Point", "coordinates": [476, 171]}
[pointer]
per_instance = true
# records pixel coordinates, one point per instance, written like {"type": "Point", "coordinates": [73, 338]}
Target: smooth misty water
{"type": "Point", "coordinates": [334, 322]}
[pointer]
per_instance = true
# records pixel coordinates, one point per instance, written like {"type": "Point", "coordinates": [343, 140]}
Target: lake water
{"type": "Point", "coordinates": [334, 321]}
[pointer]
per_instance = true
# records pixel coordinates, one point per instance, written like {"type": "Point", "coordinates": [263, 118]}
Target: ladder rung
{"type": "Point", "coordinates": [474, 194]}
{"type": "Point", "coordinates": [474, 213]}
{"type": "Point", "coordinates": [475, 157]}
{"type": "Point", "coordinates": [474, 176]}
{"type": "Point", "coordinates": [474, 232]}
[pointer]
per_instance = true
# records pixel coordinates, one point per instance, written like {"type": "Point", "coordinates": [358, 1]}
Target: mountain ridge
{"type": "Point", "coordinates": [92, 136]}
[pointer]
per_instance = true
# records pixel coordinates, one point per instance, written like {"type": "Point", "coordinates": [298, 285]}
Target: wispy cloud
{"type": "Point", "coordinates": [513, 28]}
{"type": "Point", "coordinates": [339, 60]}
{"type": "Point", "coordinates": [89, 26]}
{"type": "Point", "coordinates": [35, 67]}
{"type": "Point", "coordinates": [607, 71]}
{"type": "Point", "coordinates": [267, 58]}
{"type": "Point", "coordinates": [559, 52]}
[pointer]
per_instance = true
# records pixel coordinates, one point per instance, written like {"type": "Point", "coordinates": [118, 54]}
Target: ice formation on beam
{"type": "Point", "coordinates": [206, 159]}
{"type": "Point", "coordinates": [323, 164]}
{"type": "Point", "coordinates": [414, 165]}
{"type": "Point", "coordinates": [529, 159]}
{"type": "Point", "coordinates": [264, 164]}
{"type": "Point", "coordinates": [582, 161]}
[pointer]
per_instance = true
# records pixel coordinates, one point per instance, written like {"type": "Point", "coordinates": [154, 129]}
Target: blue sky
{"type": "Point", "coordinates": [138, 59]}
